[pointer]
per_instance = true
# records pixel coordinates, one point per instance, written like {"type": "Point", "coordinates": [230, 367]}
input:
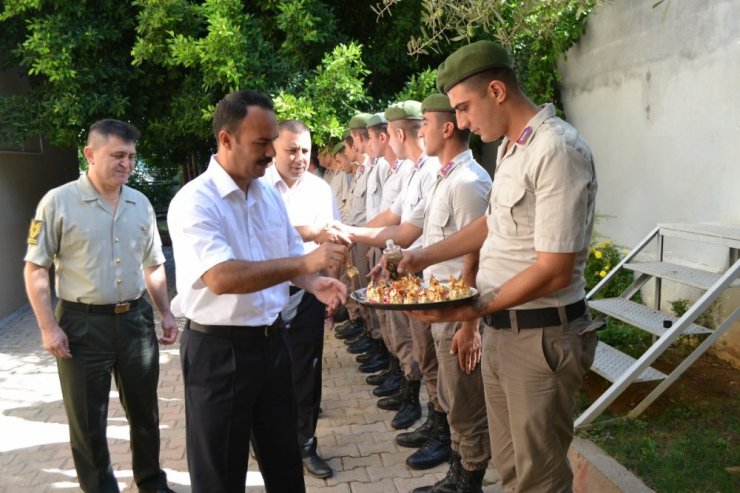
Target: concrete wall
{"type": "Point", "coordinates": [24, 178]}
{"type": "Point", "coordinates": [655, 92]}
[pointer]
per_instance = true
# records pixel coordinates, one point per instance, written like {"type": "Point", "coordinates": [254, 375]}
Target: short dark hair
{"type": "Point", "coordinates": [482, 79]}
{"type": "Point", "coordinates": [233, 108]}
{"type": "Point", "coordinates": [361, 131]}
{"type": "Point", "coordinates": [293, 126]}
{"type": "Point", "coordinates": [349, 140]}
{"type": "Point", "coordinates": [463, 135]}
{"type": "Point", "coordinates": [109, 126]}
{"type": "Point", "coordinates": [410, 127]}
{"type": "Point", "coordinates": [379, 129]}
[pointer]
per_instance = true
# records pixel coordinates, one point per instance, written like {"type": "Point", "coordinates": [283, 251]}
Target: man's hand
{"type": "Point", "coordinates": [412, 261]}
{"type": "Point", "coordinates": [378, 271]}
{"type": "Point", "coordinates": [333, 234]}
{"type": "Point", "coordinates": [169, 329]}
{"type": "Point", "coordinates": [327, 256]}
{"type": "Point", "coordinates": [466, 343]}
{"type": "Point", "coordinates": [55, 341]}
{"type": "Point", "coordinates": [330, 292]}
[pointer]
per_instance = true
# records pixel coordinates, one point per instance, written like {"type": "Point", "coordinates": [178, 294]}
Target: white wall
{"type": "Point", "coordinates": [656, 92]}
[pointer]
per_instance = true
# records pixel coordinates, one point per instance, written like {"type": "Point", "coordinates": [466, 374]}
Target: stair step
{"type": "Point", "coordinates": [679, 273]}
{"type": "Point", "coordinates": [611, 363]}
{"type": "Point", "coordinates": [640, 316]}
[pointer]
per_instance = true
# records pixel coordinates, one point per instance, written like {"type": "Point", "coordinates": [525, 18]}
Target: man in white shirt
{"type": "Point", "coordinates": [235, 251]}
{"type": "Point", "coordinates": [310, 205]}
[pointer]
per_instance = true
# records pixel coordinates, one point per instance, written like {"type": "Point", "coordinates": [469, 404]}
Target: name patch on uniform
{"type": "Point", "coordinates": [34, 230]}
{"type": "Point", "coordinates": [446, 168]}
{"type": "Point", "coordinates": [524, 136]}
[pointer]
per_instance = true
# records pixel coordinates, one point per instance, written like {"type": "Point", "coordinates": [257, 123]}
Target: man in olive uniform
{"type": "Point", "coordinates": [102, 238]}
{"type": "Point", "coordinates": [538, 341]}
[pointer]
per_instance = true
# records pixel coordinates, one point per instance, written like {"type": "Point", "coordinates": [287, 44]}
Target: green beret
{"type": "Point", "coordinates": [376, 119]}
{"type": "Point", "coordinates": [406, 110]}
{"type": "Point", "coordinates": [338, 147]}
{"type": "Point", "coordinates": [345, 134]}
{"type": "Point", "coordinates": [470, 60]}
{"type": "Point", "coordinates": [437, 103]}
{"type": "Point", "coordinates": [359, 121]}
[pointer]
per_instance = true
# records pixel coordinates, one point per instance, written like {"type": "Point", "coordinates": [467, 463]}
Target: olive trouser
{"type": "Point", "coordinates": [124, 346]}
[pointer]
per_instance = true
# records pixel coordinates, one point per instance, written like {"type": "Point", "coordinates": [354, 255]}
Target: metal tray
{"type": "Point", "coordinates": [359, 296]}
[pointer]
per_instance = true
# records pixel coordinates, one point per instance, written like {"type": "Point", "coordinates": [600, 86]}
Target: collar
{"type": "Point", "coordinates": [460, 159]}
{"type": "Point", "coordinates": [89, 194]}
{"type": "Point", "coordinates": [546, 112]}
{"type": "Point", "coordinates": [420, 162]}
{"type": "Point", "coordinates": [396, 165]}
{"type": "Point", "coordinates": [274, 178]}
{"type": "Point", "coordinates": [225, 184]}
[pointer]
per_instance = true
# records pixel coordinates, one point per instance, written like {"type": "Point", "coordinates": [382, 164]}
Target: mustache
{"type": "Point", "coordinates": [265, 161]}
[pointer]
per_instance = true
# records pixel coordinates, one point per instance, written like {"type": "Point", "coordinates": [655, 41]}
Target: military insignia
{"type": "Point", "coordinates": [34, 230]}
{"type": "Point", "coordinates": [524, 136]}
{"type": "Point", "coordinates": [447, 168]}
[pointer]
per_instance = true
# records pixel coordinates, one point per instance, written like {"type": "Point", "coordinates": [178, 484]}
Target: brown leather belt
{"type": "Point", "coordinates": [535, 318]}
{"type": "Point", "coordinates": [112, 309]}
{"type": "Point", "coordinates": [236, 331]}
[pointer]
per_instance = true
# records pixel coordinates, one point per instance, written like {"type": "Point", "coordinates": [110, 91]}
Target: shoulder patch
{"type": "Point", "coordinates": [34, 230]}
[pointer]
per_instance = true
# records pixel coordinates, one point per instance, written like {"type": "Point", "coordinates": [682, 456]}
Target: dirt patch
{"type": "Point", "coordinates": [708, 381]}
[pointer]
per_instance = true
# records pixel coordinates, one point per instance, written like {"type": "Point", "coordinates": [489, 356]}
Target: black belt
{"type": "Point", "coordinates": [535, 318]}
{"type": "Point", "coordinates": [115, 308]}
{"type": "Point", "coordinates": [236, 331]}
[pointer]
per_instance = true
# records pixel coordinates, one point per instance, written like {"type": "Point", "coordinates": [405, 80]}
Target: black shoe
{"type": "Point", "coordinates": [312, 462]}
{"type": "Point", "coordinates": [410, 409]}
{"type": "Point", "coordinates": [350, 330]}
{"type": "Point", "coordinates": [376, 363]}
{"type": "Point", "coordinates": [341, 315]}
{"type": "Point", "coordinates": [470, 481]}
{"type": "Point", "coordinates": [392, 402]}
{"type": "Point", "coordinates": [365, 334]}
{"type": "Point", "coordinates": [394, 367]}
{"type": "Point", "coordinates": [390, 386]}
{"type": "Point", "coordinates": [419, 436]}
{"type": "Point", "coordinates": [433, 453]}
{"type": "Point", "coordinates": [448, 484]}
{"type": "Point", "coordinates": [363, 345]}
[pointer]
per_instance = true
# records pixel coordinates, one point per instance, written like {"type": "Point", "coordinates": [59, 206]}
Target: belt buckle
{"type": "Point", "coordinates": [121, 308]}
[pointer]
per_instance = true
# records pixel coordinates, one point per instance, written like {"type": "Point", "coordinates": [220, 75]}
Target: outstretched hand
{"type": "Point", "coordinates": [330, 292]}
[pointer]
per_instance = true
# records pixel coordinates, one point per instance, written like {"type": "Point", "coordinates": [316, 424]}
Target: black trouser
{"type": "Point", "coordinates": [306, 338]}
{"type": "Point", "coordinates": [125, 346]}
{"type": "Point", "coordinates": [234, 386]}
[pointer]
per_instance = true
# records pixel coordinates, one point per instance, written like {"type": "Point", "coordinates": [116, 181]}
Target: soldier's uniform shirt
{"type": "Point", "coordinates": [542, 200]}
{"type": "Point", "coordinates": [419, 181]}
{"type": "Point", "coordinates": [458, 197]}
{"type": "Point", "coordinates": [376, 178]}
{"type": "Point", "coordinates": [212, 221]}
{"type": "Point", "coordinates": [397, 173]}
{"type": "Point", "coordinates": [358, 189]}
{"type": "Point", "coordinates": [98, 254]}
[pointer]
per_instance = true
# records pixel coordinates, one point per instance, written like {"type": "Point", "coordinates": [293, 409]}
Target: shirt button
{"type": "Point", "coordinates": [118, 260]}
{"type": "Point", "coordinates": [115, 239]}
{"type": "Point", "coordinates": [118, 281]}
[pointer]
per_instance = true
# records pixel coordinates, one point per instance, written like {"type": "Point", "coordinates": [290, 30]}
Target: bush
{"type": "Point", "coordinates": [602, 258]}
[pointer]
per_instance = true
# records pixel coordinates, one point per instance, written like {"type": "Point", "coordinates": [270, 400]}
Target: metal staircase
{"type": "Point", "coordinates": [622, 369]}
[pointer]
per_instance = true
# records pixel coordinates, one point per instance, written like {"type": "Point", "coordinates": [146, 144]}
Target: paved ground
{"type": "Point", "coordinates": [353, 433]}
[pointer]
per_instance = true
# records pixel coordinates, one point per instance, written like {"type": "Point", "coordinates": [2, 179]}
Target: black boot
{"type": "Point", "coordinates": [371, 353]}
{"type": "Point", "coordinates": [365, 334]}
{"type": "Point", "coordinates": [470, 481]}
{"type": "Point", "coordinates": [448, 484]}
{"type": "Point", "coordinates": [410, 409]}
{"type": "Point", "coordinates": [363, 345]}
{"type": "Point", "coordinates": [390, 386]}
{"type": "Point", "coordinates": [342, 315]}
{"type": "Point", "coordinates": [392, 369]}
{"type": "Point", "coordinates": [379, 359]}
{"type": "Point", "coordinates": [437, 449]}
{"type": "Point", "coordinates": [395, 401]}
{"type": "Point", "coordinates": [350, 330]}
{"type": "Point", "coordinates": [312, 462]}
{"type": "Point", "coordinates": [419, 436]}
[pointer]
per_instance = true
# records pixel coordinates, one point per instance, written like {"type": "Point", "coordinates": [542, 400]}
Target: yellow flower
{"type": "Point", "coordinates": [602, 273]}
{"type": "Point", "coordinates": [598, 254]}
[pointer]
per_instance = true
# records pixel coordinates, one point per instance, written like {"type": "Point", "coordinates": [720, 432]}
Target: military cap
{"type": "Point", "coordinates": [359, 121]}
{"type": "Point", "coordinates": [470, 60]}
{"type": "Point", "coordinates": [405, 110]}
{"type": "Point", "coordinates": [376, 119]}
{"type": "Point", "coordinates": [346, 134]}
{"type": "Point", "coordinates": [438, 103]}
{"type": "Point", "coordinates": [338, 147]}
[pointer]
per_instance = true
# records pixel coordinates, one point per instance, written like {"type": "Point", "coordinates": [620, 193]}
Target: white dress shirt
{"type": "Point", "coordinates": [309, 203]}
{"type": "Point", "coordinates": [211, 220]}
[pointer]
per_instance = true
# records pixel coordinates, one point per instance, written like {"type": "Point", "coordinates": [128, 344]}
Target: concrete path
{"type": "Point", "coordinates": [354, 435]}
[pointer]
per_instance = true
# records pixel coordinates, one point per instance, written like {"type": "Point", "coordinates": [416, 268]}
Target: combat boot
{"type": "Point", "coordinates": [392, 369]}
{"type": "Point", "coordinates": [470, 481]}
{"type": "Point", "coordinates": [353, 328]}
{"type": "Point", "coordinates": [342, 315]}
{"type": "Point", "coordinates": [361, 345]}
{"type": "Point", "coordinates": [419, 436]}
{"type": "Point", "coordinates": [379, 359]}
{"type": "Point", "coordinates": [410, 409]}
{"type": "Point", "coordinates": [448, 484]}
{"type": "Point", "coordinates": [390, 386]}
{"type": "Point", "coordinates": [437, 449]}
{"type": "Point", "coordinates": [395, 401]}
